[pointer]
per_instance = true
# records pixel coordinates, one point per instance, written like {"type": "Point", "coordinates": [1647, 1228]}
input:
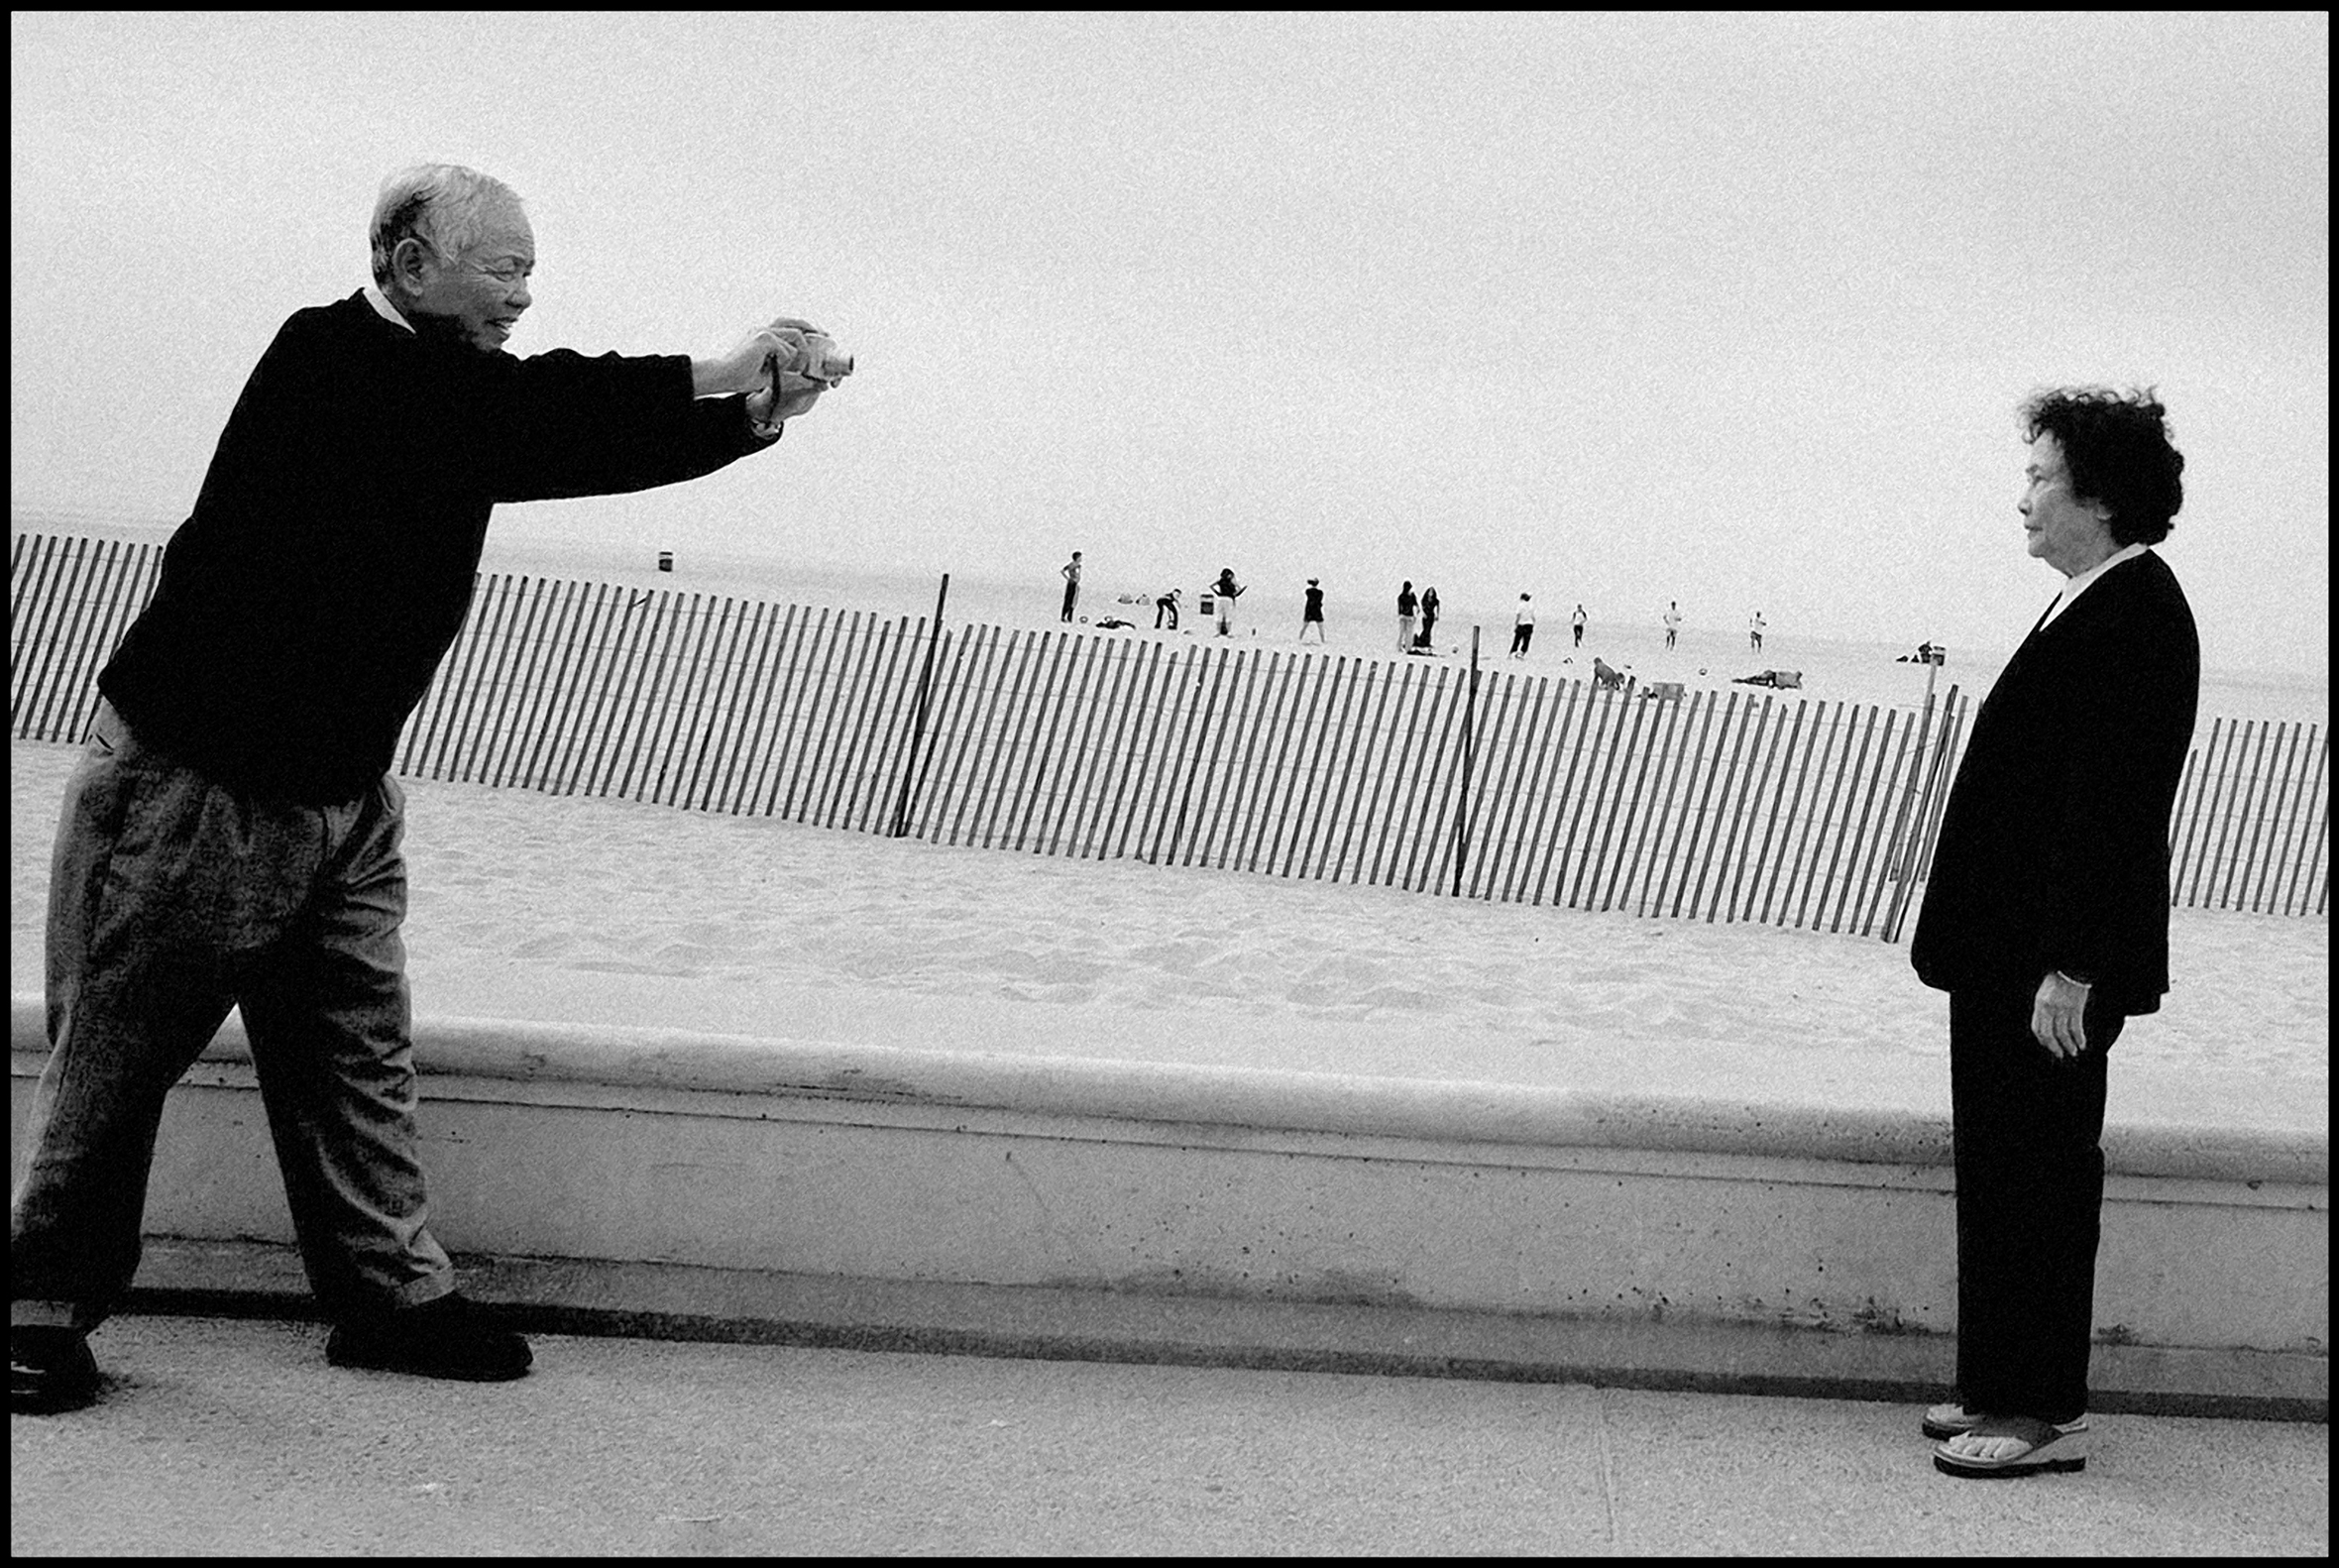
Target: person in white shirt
{"type": "Point", "coordinates": [1226, 590]}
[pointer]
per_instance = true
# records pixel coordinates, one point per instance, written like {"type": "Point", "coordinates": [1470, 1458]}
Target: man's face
{"type": "Point", "coordinates": [481, 295]}
{"type": "Point", "coordinates": [2067, 533]}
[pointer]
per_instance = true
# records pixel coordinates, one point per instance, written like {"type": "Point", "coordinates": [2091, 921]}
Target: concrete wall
{"type": "Point", "coordinates": [639, 1147]}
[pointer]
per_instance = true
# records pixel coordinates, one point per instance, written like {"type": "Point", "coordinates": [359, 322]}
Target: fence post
{"type": "Point", "coordinates": [1049, 771]}
{"type": "Point", "coordinates": [1104, 714]}
{"type": "Point", "coordinates": [1783, 757]}
{"type": "Point", "coordinates": [1853, 832]}
{"type": "Point", "coordinates": [1303, 778]}
{"type": "Point", "coordinates": [1953, 726]}
{"type": "Point", "coordinates": [1534, 747]}
{"type": "Point", "coordinates": [2302, 808]}
{"type": "Point", "coordinates": [729, 705]}
{"type": "Point", "coordinates": [1715, 848]}
{"type": "Point", "coordinates": [1847, 770]}
{"type": "Point", "coordinates": [1468, 756]}
{"type": "Point", "coordinates": [77, 560]}
{"type": "Point", "coordinates": [2247, 815]}
{"type": "Point", "coordinates": [1579, 700]}
{"type": "Point", "coordinates": [1751, 787]}
{"type": "Point", "coordinates": [1255, 679]}
{"type": "Point", "coordinates": [1189, 760]}
{"type": "Point", "coordinates": [542, 682]}
{"type": "Point", "coordinates": [1329, 808]}
{"type": "Point", "coordinates": [506, 681]}
{"type": "Point", "coordinates": [2322, 828]}
{"type": "Point", "coordinates": [950, 701]}
{"type": "Point", "coordinates": [811, 743]}
{"type": "Point", "coordinates": [1500, 776]}
{"type": "Point", "coordinates": [90, 645]}
{"type": "Point", "coordinates": [1137, 768]}
{"type": "Point", "coordinates": [1626, 869]}
{"type": "Point", "coordinates": [763, 761]}
{"type": "Point", "coordinates": [1904, 870]}
{"type": "Point", "coordinates": [1370, 745]}
{"type": "Point", "coordinates": [972, 731]}
{"type": "Point", "coordinates": [1604, 815]}
{"type": "Point", "coordinates": [1912, 818]}
{"type": "Point", "coordinates": [900, 810]}
{"type": "Point", "coordinates": [1427, 825]}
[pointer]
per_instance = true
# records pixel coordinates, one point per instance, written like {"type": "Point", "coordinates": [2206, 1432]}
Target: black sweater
{"type": "Point", "coordinates": [329, 561]}
{"type": "Point", "coordinates": [2054, 849]}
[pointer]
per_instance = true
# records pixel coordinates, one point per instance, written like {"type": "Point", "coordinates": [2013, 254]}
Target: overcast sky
{"type": "Point", "coordinates": [1735, 310]}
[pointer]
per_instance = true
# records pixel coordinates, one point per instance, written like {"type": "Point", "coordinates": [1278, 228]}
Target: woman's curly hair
{"type": "Point", "coordinates": [2116, 447]}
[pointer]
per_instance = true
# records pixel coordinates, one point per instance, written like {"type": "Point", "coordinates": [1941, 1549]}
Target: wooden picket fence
{"type": "Point", "coordinates": [1720, 806]}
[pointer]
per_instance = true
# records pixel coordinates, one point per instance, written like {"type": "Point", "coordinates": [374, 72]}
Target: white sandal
{"type": "Point", "coordinates": [1956, 1420]}
{"type": "Point", "coordinates": [2049, 1448]}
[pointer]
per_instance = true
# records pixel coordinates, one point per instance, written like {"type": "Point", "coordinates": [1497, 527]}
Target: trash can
{"type": "Point", "coordinates": [665, 560]}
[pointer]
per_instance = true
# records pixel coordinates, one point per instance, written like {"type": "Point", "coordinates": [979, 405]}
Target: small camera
{"type": "Point", "coordinates": [818, 360]}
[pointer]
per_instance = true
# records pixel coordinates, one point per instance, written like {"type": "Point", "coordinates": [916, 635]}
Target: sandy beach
{"type": "Point", "coordinates": [1713, 653]}
{"type": "Point", "coordinates": [591, 910]}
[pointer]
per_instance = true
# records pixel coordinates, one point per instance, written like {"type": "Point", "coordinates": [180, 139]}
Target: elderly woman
{"type": "Point", "coordinates": [2046, 918]}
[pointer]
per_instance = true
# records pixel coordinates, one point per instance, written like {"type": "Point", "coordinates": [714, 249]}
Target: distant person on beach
{"type": "Point", "coordinates": [1165, 606]}
{"type": "Point", "coordinates": [1672, 623]}
{"type": "Point", "coordinates": [231, 836]}
{"type": "Point", "coordinates": [1522, 627]}
{"type": "Point", "coordinates": [1427, 639]}
{"type": "Point", "coordinates": [1578, 623]}
{"type": "Point", "coordinates": [1226, 590]}
{"type": "Point", "coordinates": [1311, 612]}
{"type": "Point", "coordinates": [2046, 918]}
{"type": "Point", "coordinates": [1407, 603]}
{"type": "Point", "coordinates": [1071, 585]}
{"type": "Point", "coordinates": [1755, 631]}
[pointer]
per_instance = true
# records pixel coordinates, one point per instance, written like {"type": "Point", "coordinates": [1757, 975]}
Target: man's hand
{"type": "Point", "coordinates": [2057, 1015]}
{"type": "Point", "coordinates": [783, 397]}
{"type": "Point", "coordinates": [742, 369]}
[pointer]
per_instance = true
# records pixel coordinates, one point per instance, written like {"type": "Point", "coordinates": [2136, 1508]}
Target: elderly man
{"type": "Point", "coordinates": [231, 836]}
{"type": "Point", "coordinates": [2047, 919]}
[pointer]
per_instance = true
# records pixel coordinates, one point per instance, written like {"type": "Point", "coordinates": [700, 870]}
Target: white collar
{"type": "Point", "coordinates": [383, 309]}
{"type": "Point", "coordinates": [2080, 584]}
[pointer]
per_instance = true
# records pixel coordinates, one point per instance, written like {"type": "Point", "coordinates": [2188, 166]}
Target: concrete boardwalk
{"type": "Point", "coordinates": [224, 1436]}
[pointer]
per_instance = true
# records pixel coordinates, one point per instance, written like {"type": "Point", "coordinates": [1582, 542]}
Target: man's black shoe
{"type": "Point", "coordinates": [50, 1371]}
{"type": "Point", "coordinates": [446, 1338]}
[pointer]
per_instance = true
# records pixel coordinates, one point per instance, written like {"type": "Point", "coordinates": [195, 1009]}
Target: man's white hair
{"type": "Point", "coordinates": [444, 206]}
